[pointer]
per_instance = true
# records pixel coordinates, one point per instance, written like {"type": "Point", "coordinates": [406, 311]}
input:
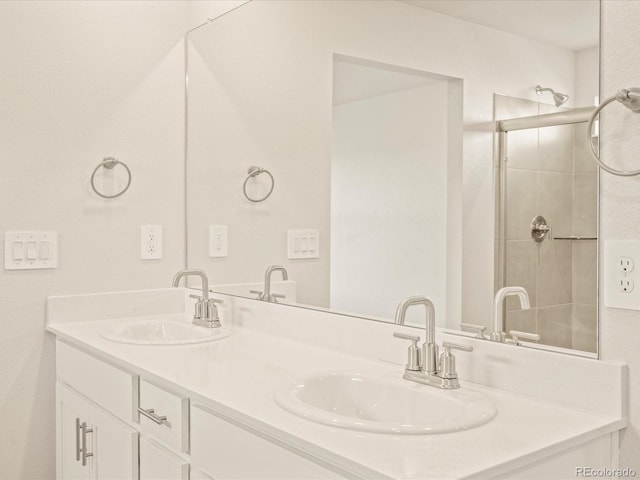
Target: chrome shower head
{"type": "Point", "coordinates": [558, 98]}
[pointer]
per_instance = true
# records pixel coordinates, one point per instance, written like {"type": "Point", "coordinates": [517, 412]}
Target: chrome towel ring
{"type": "Point", "coordinates": [254, 172]}
{"type": "Point", "coordinates": [110, 163]}
{"type": "Point", "coordinates": [630, 98]}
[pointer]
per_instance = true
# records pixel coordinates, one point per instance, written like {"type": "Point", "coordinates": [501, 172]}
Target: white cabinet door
{"type": "Point", "coordinates": [71, 411]}
{"type": "Point", "coordinates": [107, 447]}
{"type": "Point", "coordinates": [157, 463]}
{"type": "Point", "coordinates": [115, 447]}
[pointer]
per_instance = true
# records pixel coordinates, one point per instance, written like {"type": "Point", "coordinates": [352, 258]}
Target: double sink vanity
{"type": "Point", "coordinates": [142, 393]}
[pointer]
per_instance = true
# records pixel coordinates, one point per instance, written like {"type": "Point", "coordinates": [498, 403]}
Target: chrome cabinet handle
{"type": "Point", "coordinates": [151, 415]}
{"type": "Point", "coordinates": [85, 454]}
{"type": "Point", "coordinates": [78, 449]}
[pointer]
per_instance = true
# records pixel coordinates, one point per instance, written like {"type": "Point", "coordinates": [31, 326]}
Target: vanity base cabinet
{"type": "Point", "coordinates": [92, 444]}
{"type": "Point", "coordinates": [223, 450]}
{"type": "Point", "coordinates": [600, 453]}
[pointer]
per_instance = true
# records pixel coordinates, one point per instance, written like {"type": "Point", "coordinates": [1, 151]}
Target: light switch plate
{"type": "Point", "coordinates": [303, 244]}
{"type": "Point", "coordinates": [30, 250]}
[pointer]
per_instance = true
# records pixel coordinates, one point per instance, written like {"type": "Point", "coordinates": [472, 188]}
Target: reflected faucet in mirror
{"type": "Point", "coordinates": [206, 311]}
{"type": "Point", "coordinates": [426, 367]}
{"type": "Point", "coordinates": [266, 295]}
{"type": "Point", "coordinates": [498, 334]}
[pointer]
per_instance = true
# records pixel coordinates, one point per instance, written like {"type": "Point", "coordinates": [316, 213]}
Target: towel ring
{"type": "Point", "coordinates": [254, 172]}
{"type": "Point", "coordinates": [630, 98]}
{"type": "Point", "coordinates": [110, 163]}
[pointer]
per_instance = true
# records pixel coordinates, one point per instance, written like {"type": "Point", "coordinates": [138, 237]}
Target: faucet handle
{"type": "Point", "coordinates": [516, 335]}
{"type": "Point", "coordinates": [257, 292]}
{"type": "Point", "coordinates": [413, 353]}
{"type": "Point", "coordinates": [479, 329]}
{"type": "Point", "coordinates": [448, 346]}
{"type": "Point", "coordinates": [448, 360]}
{"type": "Point", "coordinates": [275, 296]}
{"type": "Point", "coordinates": [197, 297]}
{"type": "Point", "coordinates": [215, 300]}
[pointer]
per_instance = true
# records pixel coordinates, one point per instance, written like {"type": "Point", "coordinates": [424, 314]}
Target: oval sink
{"type": "Point", "coordinates": [162, 332]}
{"type": "Point", "coordinates": [373, 404]}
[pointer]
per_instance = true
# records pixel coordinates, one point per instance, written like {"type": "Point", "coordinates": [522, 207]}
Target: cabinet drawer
{"type": "Point", "coordinates": [157, 402]}
{"type": "Point", "coordinates": [156, 463]}
{"type": "Point", "coordinates": [108, 386]}
{"type": "Point", "coordinates": [222, 450]}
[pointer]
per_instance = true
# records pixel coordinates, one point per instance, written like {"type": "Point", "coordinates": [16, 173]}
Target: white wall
{"type": "Point", "coordinates": [620, 197]}
{"type": "Point", "coordinates": [389, 201]}
{"type": "Point", "coordinates": [81, 81]}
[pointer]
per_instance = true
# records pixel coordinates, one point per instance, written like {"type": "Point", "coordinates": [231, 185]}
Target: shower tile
{"type": "Point", "coordinates": [554, 273]}
{"type": "Point", "coordinates": [585, 204]}
{"type": "Point", "coordinates": [522, 149]}
{"type": "Point", "coordinates": [583, 160]}
{"type": "Point", "coordinates": [520, 203]}
{"type": "Point", "coordinates": [585, 328]}
{"type": "Point", "coordinates": [585, 272]}
{"type": "Point", "coordinates": [555, 200]}
{"type": "Point", "coordinates": [554, 325]}
{"type": "Point", "coordinates": [555, 153]}
{"type": "Point", "coordinates": [522, 320]}
{"type": "Point", "coordinates": [521, 262]}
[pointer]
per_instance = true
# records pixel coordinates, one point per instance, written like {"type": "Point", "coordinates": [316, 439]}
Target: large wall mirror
{"type": "Point", "coordinates": [354, 144]}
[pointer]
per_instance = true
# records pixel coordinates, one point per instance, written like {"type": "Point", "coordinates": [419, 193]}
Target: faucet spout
{"type": "Point", "coordinates": [498, 334]}
{"type": "Point", "coordinates": [199, 273]}
{"type": "Point", "coordinates": [430, 349]}
{"type": "Point", "coordinates": [267, 279]}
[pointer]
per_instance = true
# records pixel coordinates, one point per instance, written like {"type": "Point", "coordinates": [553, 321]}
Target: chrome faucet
{"type": "Point", "coordinates": [426, 366]}
{"type": "Point", "coordinates": [266, 295]}
{"type": "Point", "coordinates": [498, 334]}
{"type": "Point", "coordinates": [206, 311]}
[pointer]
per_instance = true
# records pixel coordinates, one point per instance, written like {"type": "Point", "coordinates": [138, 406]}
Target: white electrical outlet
{"type": "Point", "coordinates": [218, 241]}
{"type": "Point", "coordinates": [150, 242]}
{"type": "Point", "coordinates": [625, 264]}
{"type": "Point", "coordinates": [620, 274]}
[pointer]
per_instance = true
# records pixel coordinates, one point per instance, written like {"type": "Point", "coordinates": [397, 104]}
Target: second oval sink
{"type": "Point", "coordinates": [376, 404]}
{"type": "Point", "coordinates": [162, 332]}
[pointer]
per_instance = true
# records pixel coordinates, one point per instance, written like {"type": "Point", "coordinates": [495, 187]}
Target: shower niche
{"type": "Point", "coordinates": [546, 233]}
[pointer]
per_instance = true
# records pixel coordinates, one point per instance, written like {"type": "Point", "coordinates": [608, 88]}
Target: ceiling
{"type": "Point", "coordinates": [571, 24]}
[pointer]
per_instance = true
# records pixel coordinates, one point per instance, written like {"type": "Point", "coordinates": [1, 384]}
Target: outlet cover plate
{"type": "Point", "coordinates": [614, 276]}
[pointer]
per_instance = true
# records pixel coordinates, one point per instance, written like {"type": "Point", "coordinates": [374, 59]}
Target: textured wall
{"type": "Point", "coordinates": [80, 81]}
{"type": "Point", "coordinates": [620, 197]}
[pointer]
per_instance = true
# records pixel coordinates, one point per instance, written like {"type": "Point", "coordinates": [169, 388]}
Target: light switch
{"type": "Point", "coordinates": [44, 250]}
{"type": "Point", "coordinates": [18, 251]}
{"type": "Point", "coordinates": [30, 250]}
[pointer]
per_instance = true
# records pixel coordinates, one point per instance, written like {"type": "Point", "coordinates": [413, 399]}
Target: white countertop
{"type": "Point", "coordinates": [236, 377]}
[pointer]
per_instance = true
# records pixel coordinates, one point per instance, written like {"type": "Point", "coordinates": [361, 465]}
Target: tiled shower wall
{"type": "Point", "coordinates": [549, 172]}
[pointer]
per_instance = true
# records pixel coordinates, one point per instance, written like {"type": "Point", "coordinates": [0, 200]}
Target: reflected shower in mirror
{"type": "Point", "coordinates": [548, 240]}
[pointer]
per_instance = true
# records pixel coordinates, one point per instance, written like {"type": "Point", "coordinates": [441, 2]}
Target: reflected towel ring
{"type": "Point", "coordinates": [254, 172]}
{"type": "Point", "coordinates": [110, 163]}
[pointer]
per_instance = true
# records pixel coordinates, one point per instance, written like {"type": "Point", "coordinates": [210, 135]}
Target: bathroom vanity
{"type": "Point", "coordinates": [207, 410]}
